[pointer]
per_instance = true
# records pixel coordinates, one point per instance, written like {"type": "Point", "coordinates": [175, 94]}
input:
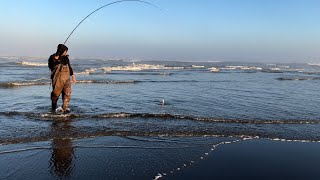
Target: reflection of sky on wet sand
{"type": "Point", "coordinates": [61, 162]}
{"type": "Point", "coordinates": [136, 157]}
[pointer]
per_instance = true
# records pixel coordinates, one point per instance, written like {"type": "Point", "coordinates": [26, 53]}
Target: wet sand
{"type": "Point", "coordinates": [258, 159]}
{"type": "Point", "coordinates": [115, 157]}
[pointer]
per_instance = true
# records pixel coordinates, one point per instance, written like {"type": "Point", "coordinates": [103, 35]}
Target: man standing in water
{"type": "Point", "coordinates": [61, 71]}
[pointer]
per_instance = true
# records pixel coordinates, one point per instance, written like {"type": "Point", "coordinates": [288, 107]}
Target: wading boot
{"type": "Point", "coordinates": [53, 107]}
{"type": "Point", "coordinates": [65, 108]}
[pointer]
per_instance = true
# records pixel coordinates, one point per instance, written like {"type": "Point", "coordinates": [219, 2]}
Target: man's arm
{"type": "Point", "coordinates": [70, 68]}
{"type": "Point", "coordinates": [50, 63]}
{"type": "Point", "coordinates": [71, 72]}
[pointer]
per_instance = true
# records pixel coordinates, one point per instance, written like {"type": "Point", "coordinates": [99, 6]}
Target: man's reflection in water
{"type": "Point", "coordinates": [62, 155]}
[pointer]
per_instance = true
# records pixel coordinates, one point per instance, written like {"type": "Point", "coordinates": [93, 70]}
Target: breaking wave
{"type": "Point", "coordinates": [297, 78]}
{"type": "Point", "coordinates": [26, 63]}
{"type": "Point", "coordinates": [35, 83]}
{"type": "Point", "coordinates": [198, 67]}
{"type": "Point", "coordinates": [313, 64]}
{"type": "Point", "coordinates": [142, 73]}
{"type": "Point", "coordinates": [120, 115]}
{"type": "Point", "coordinates": [87, 71]}
{"type": "Point", "coordinates": [241, 67]}
{"type": "Point", "coordinates": [133, 67]}
{"type": "Point", "coordinates": [78, 126]}
{"type": "Point", "coordinates": [206, 119]}
{"type": "Point", "coordinates": [21, 84]}
{"type": "Point", "coordinates": [107, 81]}
{"type": "Point", "coordinates": [140, 67]}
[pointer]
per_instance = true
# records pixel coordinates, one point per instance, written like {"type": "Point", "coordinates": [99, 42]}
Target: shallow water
{"type": "Point", "coordinates": [163, 99]}
{"type": "Point", "coordinates": [143, 120]}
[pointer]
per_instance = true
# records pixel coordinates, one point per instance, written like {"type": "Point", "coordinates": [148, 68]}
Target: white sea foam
{"type": "Point", "coordinates": [196, 66]}
{"type": "Point", "coordinates": [275, 69]}
{"type": "Point", "coordinates": [9, 57]}
{"type": "Point", "coordinates": [133, 67]}
{"type": "Point", "coordinates": [214, 69]}
{"type": "Point", "coordinates": [214, 146]}
{"type": "Point", "coordinates": [48, 115]}
{"type": "Point", "coordinates": [158, 176]}
{"type": "Point", "coordinates": [87, 71]}
{"type": "Point", "coordinates": [286, 68]}
{"type": "Point", "coordinates": [139, 67]}
{"type": "Point", "coordinates": [85, 81]}
{"type": "Point", "coordinates": [165, 74]}
{"type": "Point", "coordinates": [26, 63]}
{"type": "Point", "coordinates": [106, 81]}
{"type": "Point", "coordinates": [22, 84]}
{"type": "Point", "coordinates": [242, 67]}
{"type": "Point", "coordinates": [313, 64]}
{"type": "Point", "coordinates": [26, 83]}
{"type": "Point", "coordinates": [294, 140]}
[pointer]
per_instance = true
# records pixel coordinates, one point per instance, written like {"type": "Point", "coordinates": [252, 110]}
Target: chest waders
{"type": "Point", "coordinates": [61, 84]}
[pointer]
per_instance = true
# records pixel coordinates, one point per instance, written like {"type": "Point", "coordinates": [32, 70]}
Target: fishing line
{"type": "Point", "coordinates": [115, 2]}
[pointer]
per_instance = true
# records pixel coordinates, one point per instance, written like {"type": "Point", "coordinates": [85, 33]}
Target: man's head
{"type": "Point", "coordinates": [62, 50]}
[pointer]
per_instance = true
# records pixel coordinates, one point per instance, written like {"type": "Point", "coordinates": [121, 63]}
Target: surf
{"type": "Point", "coordinates": [164, 116]}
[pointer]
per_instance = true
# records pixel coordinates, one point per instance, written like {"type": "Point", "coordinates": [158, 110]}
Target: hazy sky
{"type": "Point", "coordinates": [202, 30]}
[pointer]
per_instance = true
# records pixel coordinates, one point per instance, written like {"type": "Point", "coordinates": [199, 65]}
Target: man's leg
{"type": "Point", "coordinates": [56, 91]}
{"type": "Point", "coordinates": [66, 94]}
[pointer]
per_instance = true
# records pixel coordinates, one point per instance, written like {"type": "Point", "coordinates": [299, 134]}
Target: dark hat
{"type": "Point", "coordinates": [61, 49]}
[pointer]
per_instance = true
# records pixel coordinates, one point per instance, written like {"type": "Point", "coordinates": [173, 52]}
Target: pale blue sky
{"type": "Point", "coordinates": [200, 30]}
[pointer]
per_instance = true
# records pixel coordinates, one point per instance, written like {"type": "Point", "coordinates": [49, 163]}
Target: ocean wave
{"type": "Point", "coordinates": [163, 74]}
{"type": "Point", "coordinates": [297, 78]}
{"type": "Point", "coordinates": [287, 69]}
{"type": "Point", "coordinates": [37, 64]}
{"type": "Point", "coordinates": [241, 67]}
{"type": "Point", "coordinates": [82, 135]}
{"type": "Point", "coordinates": [87, 71]}
{"type": "Point", "coordinates": [312, 73]}
{"type": "Point", "coordinates": [151, 124]}
{"type": "Point", "coordinates": [106, 82]}
{"type": "Point", "coordinates": [21, 84]}
{"type": "Point", "coordinates": [39, 115]}
{"type": "Point", "coordinates": [313, 64]}
{"type": "Point", "coordinates": [272, 70]}
{"type": "Point", "coordinates": [206, 119]}
{"type": "Point", "coordinates": [214, 69]}
{"type": "Point", "coordinates": [277, 69]}
{"type": "Point", "coordinates": [282, 70]}
{"type": "Point", "coordinates": [198, 66]}
{"type": "Point", "coordinates": [39, 83]}
{"type": "Point", "coordinates": [142, 73]}
{"type": "Point", "coordinates": [180, 81]}
{"type": "Point", "coordinates": [133, 67]}
{"type": "Point", "coordinates": [164, 116]}
{"type": "Point", "coordinates": [140, 67]}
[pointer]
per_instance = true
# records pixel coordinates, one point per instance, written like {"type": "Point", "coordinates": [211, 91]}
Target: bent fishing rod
{"type": "Point", "coordinates": [115, 2]}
